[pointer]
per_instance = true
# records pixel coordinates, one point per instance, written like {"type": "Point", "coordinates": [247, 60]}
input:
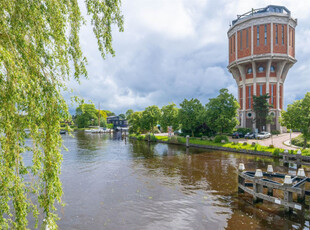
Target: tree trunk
{"type": "Point", "coordinates": [305, 142]}
{"type": "Point", "coordinates": [192, 133]}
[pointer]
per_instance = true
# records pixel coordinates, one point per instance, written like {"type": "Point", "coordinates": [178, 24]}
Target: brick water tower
{"type": "Point", "coordinates": [261, 52]}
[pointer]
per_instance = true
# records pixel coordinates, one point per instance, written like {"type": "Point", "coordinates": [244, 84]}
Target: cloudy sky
{"type": "Point", "coordinates": [176, 49]}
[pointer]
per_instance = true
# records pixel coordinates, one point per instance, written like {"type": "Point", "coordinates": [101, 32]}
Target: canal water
{"type": "Point", "coordinates": [110, 183]}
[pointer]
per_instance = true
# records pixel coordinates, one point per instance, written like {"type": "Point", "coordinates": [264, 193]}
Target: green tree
{"type": "Point", "coordinates": [297, 116]}
{"type": "Point", "coordinates": [128, 113]}
{"type": "Point", "coordinates": [39, 43]}
{"type": "Point", "coordinates": [135, 122]}
{"type": "Point", "coordinates": [169, 117]}
{"type": "Point", "coordinates": [221, 112]}
{"type": "Point", "coordinates": [150, 117]}
{"type": "Point", "coordinates": [86, 115]}
{"type": "Point", "coordinates": [122, 116]}
{"type": "Point", "coordinates": [261, 108]}
{"type": "Point", "coordinates": [190, 114]}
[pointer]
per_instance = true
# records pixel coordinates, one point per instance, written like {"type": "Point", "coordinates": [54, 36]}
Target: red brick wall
{"type": "Point", "coordinates": [260, 74]}
{"type": "Point", "coordinates": [244, 51]}
{"type": "Point", "coordinates": [279, 48]}
{"type": "Point", "coordinates": [232, 49]}
{"type": "Point", "coordinates": [262, 48]}
{"type": "Point", "coordinates": [247, 96]}
{"type": "Point", "coordinates": [291, 42]}
{"type": "Point", "coordinates": [274, 101]}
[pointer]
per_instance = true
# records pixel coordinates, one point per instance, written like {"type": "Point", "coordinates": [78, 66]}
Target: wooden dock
{"type": "Point", "coordinates": [261, 185]}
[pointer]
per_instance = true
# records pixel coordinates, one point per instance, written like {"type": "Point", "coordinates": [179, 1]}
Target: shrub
{"type": "Point", "coordinates": [173, 140]}
{"type": "Point", "coordinates": [275, 132]}
{"type": "Point", "coordinates": [276, 152]}
{"type": "Point", "coordinates": [219, 138]}
{"type": "Point", "coordinates": [271, 146]}
{"type": "Point", "coordinates": [245, 143]}
{"type": "Point", "coordinates": [244, 130]}
{"type": "Point", "coordinates": [291, 151]}
{"type": "Point", "coordinates": [153, 138]}
{"type": "Point", "coordinates": [299, 141]}
{"type": "Point", "coordinates": [139, 137]}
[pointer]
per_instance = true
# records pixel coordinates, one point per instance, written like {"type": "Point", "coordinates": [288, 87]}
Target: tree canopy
{"type": "Point", "coordinates": [169, 117]}
{"type": "Point", "coordinates": [297, 116]}
{"type": "Point", "coordinates": [261, 108]}
{"type": "Point", "coordinates": [190, 114]}
{"type": "Point", "coordinates": [150, 117]}
{"type": "Point", "coordinates": [222, 112]}
{"type": "Point", "coordinates": [39, 52]}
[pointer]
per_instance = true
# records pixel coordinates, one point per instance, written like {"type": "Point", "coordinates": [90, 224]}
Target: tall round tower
{"type": "Point", "coordinates": [261, 52]}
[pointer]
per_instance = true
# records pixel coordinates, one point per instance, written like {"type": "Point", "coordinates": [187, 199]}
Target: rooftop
{"type": "Point", "coordinates": [270, 8]}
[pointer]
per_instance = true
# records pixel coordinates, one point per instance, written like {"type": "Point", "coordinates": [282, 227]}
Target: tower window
{"type": "Point", "coordinates": [282, 34]}
{"type": "Point", "coordinates": [257, 35]}
{"type": "Point", "coordinates": [250, 97]}
{"type": "Point", "coordinates": [276, 34]}
{"type": "Point", "coordinates": [260, 90]}
{"type": "Point", "coordinates": [265, 34]}
{"type": "Point", "coordinates": [249, 70]}
{"type": "Point", "coordinates": [247, 38]}
{"type": "Point", "coordinates": [241, 39]}
{"type": "Point", "coordinates": [260, 69]}
{"type": "Point", "coordinates": [272, 94]}
{"type": "Point", "coordinates": [272, 69]}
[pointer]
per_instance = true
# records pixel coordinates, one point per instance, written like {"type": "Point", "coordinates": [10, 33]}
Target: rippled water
{"type": "Point", "coordinates": [112, 184]}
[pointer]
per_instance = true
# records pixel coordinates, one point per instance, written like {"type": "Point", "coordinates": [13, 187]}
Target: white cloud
{"type": "Point", "coordinates": [176, 49]}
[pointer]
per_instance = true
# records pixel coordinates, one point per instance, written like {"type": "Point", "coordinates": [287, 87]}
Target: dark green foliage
{"type": "Point", "coordinates": [219, 138]}
{"type": "Point", "coordinates": [86, 115]}
{"type": "Point", "coordinates": [261, 109]}
{"type": "Point", "coordinates": [275, 132]}
{"type": "Point", "coordinates": [221, 112]}
{"type": "Point", "coordinates": [190, 114]}
{"type": "Point", "coordinates": [276, 152]}
{"type": "Point", "coordinates": [244, 130]}
{"type": "Point", "coordinates": [299, 141]}
{"type": "Point", "coordinates": [297, 117]}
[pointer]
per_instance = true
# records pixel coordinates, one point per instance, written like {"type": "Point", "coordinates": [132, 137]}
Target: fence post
{"type": "Point", "coordinates": [301, 174]}
{"type": "Point", "coordinates": [257, 188]}
{"type": "Point", "coordinates": [288, 196]}
{"type": "Point", "coordinates": [270, 170]}
{"type": "Point", "coordinates": [298, 158]}
{"type": "Point", "coordinates": [241, 180]}
{"type": "Point", "coordinates": [187, 141]}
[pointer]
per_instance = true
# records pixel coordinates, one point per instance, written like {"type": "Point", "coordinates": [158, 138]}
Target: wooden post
{"type": "Point", "coordinates": [288, 196]}
{"type": "Point", "coordinates": [270, 170]}
{"type": "Point", "coordinates": [298, 158]}
{"type": "Point", "coordinates": [257, 188]}
{"type": "Point", "coordinates": [187, 141]}
{"type": "Point", "coordinates": [241, 180]}
{"type": "Point", "coordinates": [301, 174]}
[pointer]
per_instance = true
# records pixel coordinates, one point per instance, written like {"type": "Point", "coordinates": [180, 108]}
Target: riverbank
{"type": "Point", "coordinates": [236, 146]}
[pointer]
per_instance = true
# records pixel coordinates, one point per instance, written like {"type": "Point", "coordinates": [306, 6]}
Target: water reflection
{"type": "Point", "coordinates": [113, 184]}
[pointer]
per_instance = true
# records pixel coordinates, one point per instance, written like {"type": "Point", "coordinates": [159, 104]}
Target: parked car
{"type": "Point", "coordinates": [263, 135]}
{"type": "Point", "coordinates": [237, 135]}
{"type": "Point", "coordinates": [249, 135]}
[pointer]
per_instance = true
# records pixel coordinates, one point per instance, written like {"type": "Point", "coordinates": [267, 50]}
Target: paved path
{"type": "Point", "coordinates": [277, 140]}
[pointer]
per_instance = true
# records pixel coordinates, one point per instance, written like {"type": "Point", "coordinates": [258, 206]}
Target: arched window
{"type": "Point", "coordinates": [272, 69]}
{"type": "Point", "coordinates": [260, 69]}
{"type": "Point", "coordinates": [249, 70]}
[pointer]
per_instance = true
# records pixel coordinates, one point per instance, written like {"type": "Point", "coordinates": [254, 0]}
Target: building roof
{"type": "Point", "coordinates": [270, 9]}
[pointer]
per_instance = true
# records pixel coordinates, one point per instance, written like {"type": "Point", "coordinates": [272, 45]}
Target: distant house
{"type": "Point", "coordinates": [117, 121]}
